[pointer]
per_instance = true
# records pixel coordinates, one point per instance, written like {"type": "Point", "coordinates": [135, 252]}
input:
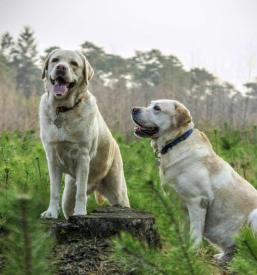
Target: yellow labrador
{"type": "Point", "coordinates": [219, 201]}
{"type": "Point", "coordinates": [76, 139]}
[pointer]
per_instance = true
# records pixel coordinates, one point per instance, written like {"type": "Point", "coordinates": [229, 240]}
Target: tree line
{"type": "Point", "coordinates": [121, 83]}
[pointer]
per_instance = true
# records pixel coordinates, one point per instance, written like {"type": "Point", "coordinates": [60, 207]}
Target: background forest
{"type": "Point", "coordinates": [121, 83]}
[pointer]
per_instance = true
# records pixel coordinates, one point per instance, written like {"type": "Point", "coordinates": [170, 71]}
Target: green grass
{"type": "Point", "coordinates": [23, 170]}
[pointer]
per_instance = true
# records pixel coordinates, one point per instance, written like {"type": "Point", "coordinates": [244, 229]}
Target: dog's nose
{"type": "Point", "coordinates": [135, 110]}
{"type": "Point", "coordinates": [61, 68]}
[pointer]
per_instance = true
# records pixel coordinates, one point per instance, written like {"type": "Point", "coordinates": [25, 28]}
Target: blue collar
{"type": "Point", "coordinates": [170, 145]}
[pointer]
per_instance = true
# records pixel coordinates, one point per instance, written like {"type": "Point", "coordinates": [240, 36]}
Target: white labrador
{"type": "Point", "coordinates": [218, 199]}
{"type": "Point", "coordinates": [76, 139]}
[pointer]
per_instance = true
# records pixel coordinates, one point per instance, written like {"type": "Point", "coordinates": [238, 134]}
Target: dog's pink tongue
{"type": "Point", "coordinates": [60, 89]}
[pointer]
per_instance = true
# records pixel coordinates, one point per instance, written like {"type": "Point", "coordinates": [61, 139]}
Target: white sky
{"type": "Point", "coordinates": [220, 35]}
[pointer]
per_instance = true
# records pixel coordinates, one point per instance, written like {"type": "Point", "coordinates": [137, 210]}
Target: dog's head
{"type": "Point", "coordinates": [64, 71]}
{"type": "Point", "coordinates": [160, 117]}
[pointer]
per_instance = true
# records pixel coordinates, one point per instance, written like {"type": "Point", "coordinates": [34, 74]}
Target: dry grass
{"type": "Point", "coordinates": [17, 112]}
{"type": "Point", "coordinates": [20, 113]}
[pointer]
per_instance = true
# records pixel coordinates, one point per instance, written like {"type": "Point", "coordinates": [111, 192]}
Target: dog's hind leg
{"type": "Point", "coordinates": [113, 186]}
{"type": "Point", "coordinates": [224, 258]}
{"type": "Point", "coordinates": [68, 197]}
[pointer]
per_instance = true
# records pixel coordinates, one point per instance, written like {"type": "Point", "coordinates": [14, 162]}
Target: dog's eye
{"type": "Point", "coordinates": [74, 63]}
{"type": "Point", "coordinates": [157, 108]}
{"type": "Point", "coordinates": [54, 60]}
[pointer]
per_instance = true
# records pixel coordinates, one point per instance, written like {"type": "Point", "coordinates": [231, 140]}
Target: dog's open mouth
{"type": "Point", "coordinates": [143, 131]}
{"type": "Point", "coordinates": [61, 86]}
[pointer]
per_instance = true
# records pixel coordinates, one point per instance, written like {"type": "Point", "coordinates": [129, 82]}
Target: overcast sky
{"type": "Point", "coordinates": [220, 35]}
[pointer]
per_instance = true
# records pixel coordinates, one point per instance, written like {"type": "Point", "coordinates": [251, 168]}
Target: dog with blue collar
{"type": "Point", "coordinates": [218, 199]}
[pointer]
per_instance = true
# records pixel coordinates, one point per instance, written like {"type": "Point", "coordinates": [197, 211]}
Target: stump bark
{"type": "Point", "coordinates": [106, 222]}
{"type": "Point", "coordinates": [83, 242]}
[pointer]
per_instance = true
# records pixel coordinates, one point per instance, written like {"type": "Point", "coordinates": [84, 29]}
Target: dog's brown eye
{"type": "Point", "coordinates": [74, 63]}
{"type": "Point", "coordinates": [156, 108]}
{"type": "Point", "coordinates": [54, 60]}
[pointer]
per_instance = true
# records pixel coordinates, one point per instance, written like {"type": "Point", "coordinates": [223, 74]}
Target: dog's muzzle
{"type": "Point", "coordinates": [140, 130]}
{"type": "Point", "coordinates": [60, 85]}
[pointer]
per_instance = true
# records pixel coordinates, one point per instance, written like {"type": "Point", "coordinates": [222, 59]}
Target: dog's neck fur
{"type": "Point", "coordinates": [168, 137]}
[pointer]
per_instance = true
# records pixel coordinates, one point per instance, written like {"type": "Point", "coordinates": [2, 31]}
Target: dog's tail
{"type": "Point", "coordinates": [100, 199]}
{"type": "Point", "coordinates": [252, 220]}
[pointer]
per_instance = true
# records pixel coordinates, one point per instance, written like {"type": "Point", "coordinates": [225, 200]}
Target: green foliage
{"type": "Point", "coordinates": [245, 260]}
{"type": "Point", "coordinates": [23, 170]}
{"type": "Point", "coordinates": [25, 245]}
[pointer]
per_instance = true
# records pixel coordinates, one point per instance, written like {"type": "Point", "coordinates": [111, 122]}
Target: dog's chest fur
{"type": "Point", "coordinates": [77, 134]}
{"type": "Point", "coordinates": [182, 168]}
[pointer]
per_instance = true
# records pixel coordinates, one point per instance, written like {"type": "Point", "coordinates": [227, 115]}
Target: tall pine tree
{"type": "Point", "coordinates": [6, 45]}
{"type": "Point", "coordinates": [23, 58]}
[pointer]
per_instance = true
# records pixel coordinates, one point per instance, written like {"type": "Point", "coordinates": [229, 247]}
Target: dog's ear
{"type": "Point", "coordinates": [45, 66]}
{"type": "Point", "coordinates": [88, 70]}
{"type": "Point", "coordinates": [182, 116]}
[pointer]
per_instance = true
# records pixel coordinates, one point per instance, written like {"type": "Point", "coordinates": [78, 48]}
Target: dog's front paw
{"type": "Point", "coordinates": [79, 212]}
{"type": "Point", "coordinates": [218, 257]}
{"type": "Point", "coordinates": [50, 213]}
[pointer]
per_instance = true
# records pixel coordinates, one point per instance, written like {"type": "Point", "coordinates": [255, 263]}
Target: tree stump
{"type": "Point", "coordinates": [83, 242]}
{"type": "Point", "coordinates": [106, 222]}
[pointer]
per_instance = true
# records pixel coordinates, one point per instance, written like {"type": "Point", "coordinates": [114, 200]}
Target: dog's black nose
{"type": "Point", "coordinates": [135, 110]}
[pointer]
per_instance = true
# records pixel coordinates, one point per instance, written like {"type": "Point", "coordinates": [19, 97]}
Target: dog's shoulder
{"type": "Point", "coordinates": [202, 138]}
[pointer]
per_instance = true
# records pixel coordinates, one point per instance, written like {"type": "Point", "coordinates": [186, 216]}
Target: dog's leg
{"type": "Point", "coordinates": [113, 186]}
{"type": "Point", "coordinates": [68, 197]}
{"type": "Point", "coordinates": [197, 208]}
{"type": "Point", "coordinates": [81, 183]}
{"type": "Point", "coordinates": [223, 258]}
{"type": "Point", "coordinates": [55, 187]}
